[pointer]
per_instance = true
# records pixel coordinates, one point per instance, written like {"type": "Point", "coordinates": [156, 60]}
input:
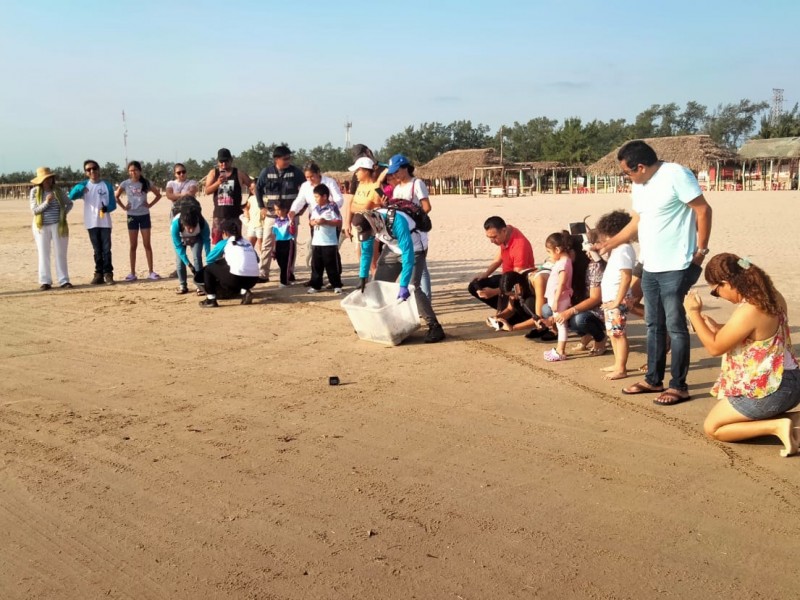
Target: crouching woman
{"type": "Point", "coordinates": [760, 380]}
{"type": "Point", "coordinates": [232, 267]}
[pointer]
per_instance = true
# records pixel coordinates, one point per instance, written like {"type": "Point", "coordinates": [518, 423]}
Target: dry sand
{"type": "Point", "coordinates": [150, 449]}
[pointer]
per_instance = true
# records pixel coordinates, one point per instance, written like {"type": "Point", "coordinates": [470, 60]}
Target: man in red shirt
{"type": "Point", "coordinates": [516, 254]}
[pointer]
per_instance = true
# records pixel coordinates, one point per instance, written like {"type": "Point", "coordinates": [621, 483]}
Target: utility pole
{"type": "Point", "coordinates": [777, 106]}
{"type": "Point", "coordinates": [348, 125]}
{"type": "Point", "coordinates": [124, 139]}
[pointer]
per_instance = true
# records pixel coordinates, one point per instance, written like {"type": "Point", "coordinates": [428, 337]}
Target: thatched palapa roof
{"type": "Point", "coordinates": [457, 164]}
{"type": "Point", "coordinates": [339, 175]}
{"type": "Point", "coordinates": [775, 148]}
{"type": "Point", "coordinates": [697, 152]}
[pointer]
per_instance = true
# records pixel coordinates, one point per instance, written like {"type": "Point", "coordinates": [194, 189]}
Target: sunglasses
{"type": "Point", "coordinates": [92, 169]}
{"type": "Point", "coordinates": [715, 291]}
{"type": "Point", "coordinates": [629, 173]}
{"type": "Point", "coordinates": [180, 172]}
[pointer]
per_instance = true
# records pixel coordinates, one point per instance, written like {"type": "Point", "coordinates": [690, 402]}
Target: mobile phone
{"type": "Point", "coordinates": [577, 228]}
{"type": "Point", "coordinates": [588, 247]}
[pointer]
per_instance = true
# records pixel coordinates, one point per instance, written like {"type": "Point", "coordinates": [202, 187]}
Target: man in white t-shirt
{"type": "Point", "coordinates": [673, 223]}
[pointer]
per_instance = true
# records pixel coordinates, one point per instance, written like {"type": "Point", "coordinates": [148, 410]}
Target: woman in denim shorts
{"type": "Point", "coordinates": [760, 381]}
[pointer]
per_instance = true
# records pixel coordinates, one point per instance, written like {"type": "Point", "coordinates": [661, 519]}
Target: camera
{"type": "Point", "coordinates": [589, 248]}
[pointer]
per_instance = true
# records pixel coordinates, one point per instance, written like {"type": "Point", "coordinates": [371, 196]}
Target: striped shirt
{"type": "Point", "coordinates": [50, 211]}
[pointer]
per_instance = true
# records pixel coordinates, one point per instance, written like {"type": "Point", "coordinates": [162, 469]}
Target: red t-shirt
{"type": "Point", "coordinates": [516, 253]}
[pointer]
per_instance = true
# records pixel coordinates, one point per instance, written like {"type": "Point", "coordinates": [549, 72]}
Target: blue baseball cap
{"type": "Point", "coordinates": [397, 162]}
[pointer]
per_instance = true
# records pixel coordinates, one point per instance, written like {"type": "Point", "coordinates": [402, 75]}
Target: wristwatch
{"type": "Point", "coordinates": [703, 251]}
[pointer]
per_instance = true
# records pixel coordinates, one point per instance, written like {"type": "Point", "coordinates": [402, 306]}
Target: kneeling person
{"type": "Point", "coordinates": [403, 256]}
{"type": "Point", "coordinates": [232, 266]}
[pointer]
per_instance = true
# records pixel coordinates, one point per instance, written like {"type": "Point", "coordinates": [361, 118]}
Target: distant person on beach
{"type": "Point", "coordinates": [515, 254]}
{"type": "Point", "coordinates": [253, 220]}
{"type": "Point", "coordinates": [305, 197]}
{"type": "Point", "coordinates": [98, 204]}
{"type": "Point", "coordinates": [402, 259]}
{"type": "Point", "coordinates": [558, 292]}
{"type": "Point", "coordinates": [50, 207]}
{"type": "Point", "coordinates": [517, 304]}
{"type": "Point", "coordinates": [179, 188]}
{"type": "Point", "coordinates": [760, 381]}
{"type": "Point", "coordinates": [136, 188]}
{"type": "Point", "coordinates": [278, 185]}
{"type": "Point", "coordinates": [326, 221]}
{"type": "Point", "coordinates": [232, 267]}
{"type": "Point", "coordinates": [285, 234]}
{"type": "Point", "coordinates": [189, 230]}
{"type": "Point", "coordinates": [616, 290]}
{"type": "Point", "coordinates": [585, 317]}
{"type": "Point", "coordinates": [226, 183]}
{"type": "Point", "coordinates": [673, 223]}
{"type": "Point", "coordinates": [407, 187]}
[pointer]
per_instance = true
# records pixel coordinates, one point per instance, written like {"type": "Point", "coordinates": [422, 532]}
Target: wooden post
{"type": "Point", "coordinates": [770, 174]}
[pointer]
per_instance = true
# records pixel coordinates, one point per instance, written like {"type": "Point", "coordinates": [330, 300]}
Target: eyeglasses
{"type": "Point", "coordinates": [715, 291]}
{"type": "Point", "coordinates": [90, 169]}
{"type": "Point", "coordinates": [180, 172]}
{"type": "Point", "coordinates": [629, 173]}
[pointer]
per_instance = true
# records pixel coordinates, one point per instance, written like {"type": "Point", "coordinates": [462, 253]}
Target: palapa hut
{"type": "Point", "coordinates": [771, 163]}
{"type": "Point", "coordinates": [454, 171]}
{"type": "Point", "coordinates": [713, 165]}
{"type": "Point", "coordinates": [550, 176]}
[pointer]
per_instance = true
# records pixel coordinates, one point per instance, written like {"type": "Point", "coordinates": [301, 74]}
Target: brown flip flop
{"type": "Point", "coordinates": [641, 388]}
{"type": "Point", "coordinates": [670, 397]}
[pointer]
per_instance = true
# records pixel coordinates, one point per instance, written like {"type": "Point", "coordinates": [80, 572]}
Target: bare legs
{"type": "Point", "coordinates": [726, 424]}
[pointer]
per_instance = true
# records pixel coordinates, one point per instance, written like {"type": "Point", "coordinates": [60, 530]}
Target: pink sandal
{"type": "Point", "coordinates": [552, 355]}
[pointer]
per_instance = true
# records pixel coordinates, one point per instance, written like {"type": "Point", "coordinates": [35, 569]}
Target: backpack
{"type": "Point", "coordinates": [422, 222]}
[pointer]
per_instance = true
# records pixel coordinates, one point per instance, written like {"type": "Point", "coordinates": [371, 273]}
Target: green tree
{"type": "Point", "coordinates": [730, 124]}
{"type": "Point", "coordinates": [524, 142]}
{"type": "Point", "coordinates": [787, 125]}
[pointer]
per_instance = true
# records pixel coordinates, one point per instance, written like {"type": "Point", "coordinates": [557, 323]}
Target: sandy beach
{"type": "Point", "coordinates": [150, 449]}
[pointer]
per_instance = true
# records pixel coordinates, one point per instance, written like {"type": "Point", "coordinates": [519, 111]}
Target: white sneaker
{"type": "Point", "coordinates": [312, 291]}
{"type": "Point", "coordinates": [337, 290]}
{"type": "Point", "coordinates": [282, 285]}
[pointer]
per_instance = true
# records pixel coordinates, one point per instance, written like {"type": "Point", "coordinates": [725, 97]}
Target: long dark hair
{"type": "Point", "coordinates": [231, 227]}
{"type": "Point", "coordinates": [138, 166]}
{"type": "Point", "coordinates": [580, 263]}
{"type": "Point", "coordinates": [747, 279]}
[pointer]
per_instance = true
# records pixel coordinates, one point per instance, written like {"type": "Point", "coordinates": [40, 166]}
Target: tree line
{"type": "Point", "coordinates": [540, 139]}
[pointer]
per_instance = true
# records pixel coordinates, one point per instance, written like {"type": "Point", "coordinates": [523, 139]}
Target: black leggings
{"type": "Point", "coordinates": [218, 278]}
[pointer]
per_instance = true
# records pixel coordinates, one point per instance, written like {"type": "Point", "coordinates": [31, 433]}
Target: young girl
{"type": "Point", "coordinates": [559, 288]}
{"type": "Point", "coordinates": [232, 266]}
{"type": "Point", "coordinates": [616, 290]}
{"type": "Point", "coordinates": [135, 189]}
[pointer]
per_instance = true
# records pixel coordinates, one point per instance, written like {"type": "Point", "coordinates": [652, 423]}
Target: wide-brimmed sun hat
{"type": "Point", "coordinates": [42, 173]}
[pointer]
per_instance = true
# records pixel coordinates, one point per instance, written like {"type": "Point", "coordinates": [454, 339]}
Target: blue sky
{"type": "Point", "coordinates": [194, 76]}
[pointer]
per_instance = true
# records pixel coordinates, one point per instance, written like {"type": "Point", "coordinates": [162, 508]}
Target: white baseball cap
{"type": "Point", "coordinates": [362, 163]}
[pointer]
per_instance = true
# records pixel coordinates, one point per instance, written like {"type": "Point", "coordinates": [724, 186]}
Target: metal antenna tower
{"type": "Point", "coordinates": [125, 136]}
{"type": "Point", "coordinates": [348, 125]}
{"type": "Point", "coordinates": [776, 111]}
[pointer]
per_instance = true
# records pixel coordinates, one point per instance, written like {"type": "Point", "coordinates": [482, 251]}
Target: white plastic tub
{"type": "Point", "coordinates": [378, 316]}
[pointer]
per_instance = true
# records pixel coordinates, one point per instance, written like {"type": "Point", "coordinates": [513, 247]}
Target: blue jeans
{"type": "Point", "coordinates": [588, 323]}
{"type": "Point", "coordinates": [425, 283]}
{"type": "Point", "coordinates": [101, 244]}
{"type": "Point", "coordinates": [197, 260]}
{"type": "Point", "coordinates": [664, 314]}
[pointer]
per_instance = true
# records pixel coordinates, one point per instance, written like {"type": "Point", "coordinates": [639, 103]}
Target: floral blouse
{"type": "Point", "coordinates": [754, 369]}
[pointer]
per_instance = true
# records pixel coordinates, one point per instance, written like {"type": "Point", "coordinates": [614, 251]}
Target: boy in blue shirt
{"type": "Point", "coordinates": [326, 220]}
{"type": "Point", "coordinates": [284, 231]}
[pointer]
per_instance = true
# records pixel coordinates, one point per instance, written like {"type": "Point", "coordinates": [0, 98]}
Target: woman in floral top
{"type": "Point", "coordinates": [760, 380]}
